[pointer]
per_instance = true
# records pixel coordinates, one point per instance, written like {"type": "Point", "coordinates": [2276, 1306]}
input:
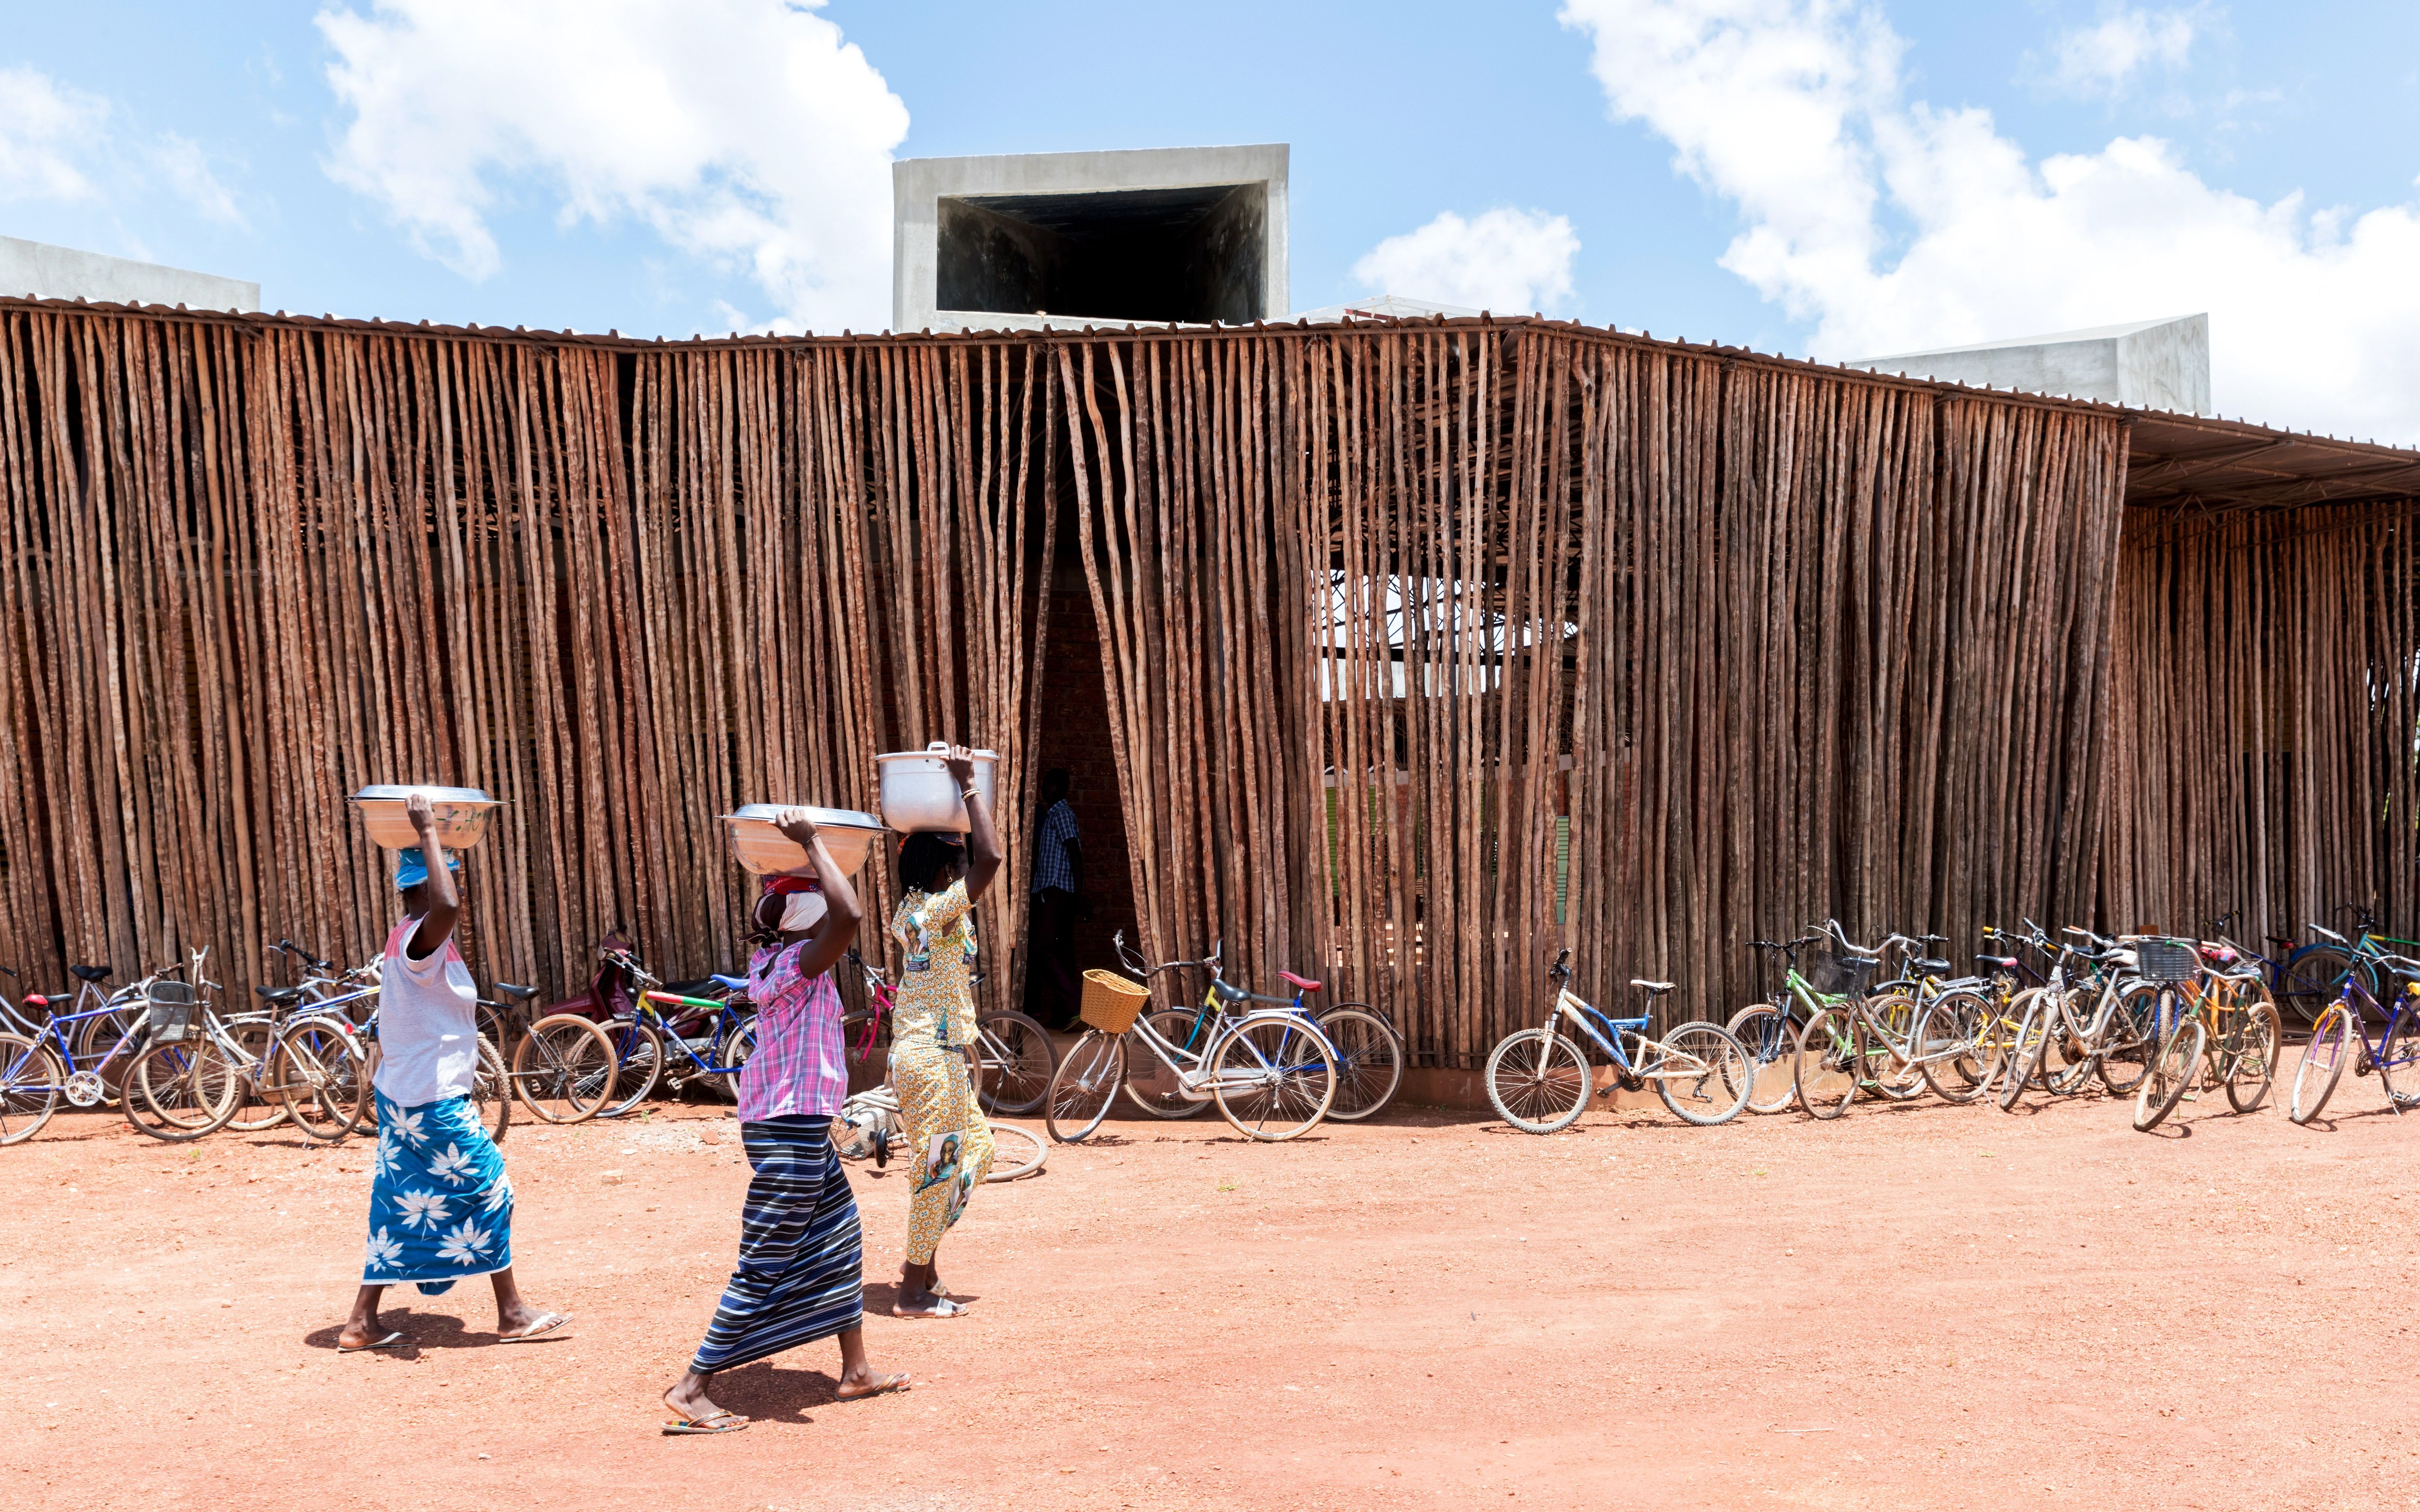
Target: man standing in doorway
{"type": "Point", "coordinates": [1055, 991]}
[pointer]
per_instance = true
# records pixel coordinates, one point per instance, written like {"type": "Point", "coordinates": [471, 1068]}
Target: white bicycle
{"type": "Point", "coordinates": [1271, 1069]}
{"type": "Point", "coordinates": [868, 1127]}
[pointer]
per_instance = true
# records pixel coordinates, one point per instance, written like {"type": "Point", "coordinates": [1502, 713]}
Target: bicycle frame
{"type": "Point", "coordinates": [2367, 953]}
{"type": "Point", "coordinates": [1666, 1062]}
{"type": "Point", "coordinates": [722, 1016]}
{"type": "Point", "coordinates": [1188, 1064]}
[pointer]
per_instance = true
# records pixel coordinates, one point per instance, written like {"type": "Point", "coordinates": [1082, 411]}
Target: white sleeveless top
{"type": "Point", "coordinates": [427, 1023]}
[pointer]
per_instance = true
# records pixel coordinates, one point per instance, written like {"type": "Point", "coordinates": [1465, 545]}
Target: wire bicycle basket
{"type": "Point", "coordinates": [2166, 961]}
{"type": "Point", "coordinates": [1836, 977]}
{"type": "Point", "coordinates": [171, 1011]}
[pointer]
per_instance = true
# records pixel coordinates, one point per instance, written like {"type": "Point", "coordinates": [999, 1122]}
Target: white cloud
{"type": "Point", "coordinates": [1896, 227]}
{"type": "Point", "coordinates": [742, 131]}
{"type": "Point", "coordinates": [47, 132]}
{"type": "Point", "coordinates": [2102, 58]}
{"type": "Point", "coordinates": [187, 168]}
{"type": "Point", "coordinates": [1505, 261]}
{"type": "Point", "coordinates": [59, 144]}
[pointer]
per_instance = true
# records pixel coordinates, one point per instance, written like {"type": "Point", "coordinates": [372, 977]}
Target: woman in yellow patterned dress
{"type": "Point", "coordinates": [932, 1020]}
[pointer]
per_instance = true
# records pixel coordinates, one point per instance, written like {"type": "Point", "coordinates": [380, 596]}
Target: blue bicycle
{"type": "Point", "coordinates": [2339, 1035]}
{"type": "Point", "coordinates": [1540, 1081]}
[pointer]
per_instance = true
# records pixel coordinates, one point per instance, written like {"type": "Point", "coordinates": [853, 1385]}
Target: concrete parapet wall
{"type": "Point", "coordinates": [48, 273]}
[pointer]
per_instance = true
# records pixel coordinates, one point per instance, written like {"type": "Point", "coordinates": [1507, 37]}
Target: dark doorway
{"type": "Point", "coordinates": [1076, 735]}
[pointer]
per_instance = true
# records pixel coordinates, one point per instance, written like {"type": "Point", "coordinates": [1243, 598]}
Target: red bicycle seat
{"type": "Point", "coordinates": [1303, 983]}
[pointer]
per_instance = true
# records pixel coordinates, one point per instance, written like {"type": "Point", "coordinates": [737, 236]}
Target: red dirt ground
{"type": "Point", "coordinates": [1916, 1306]}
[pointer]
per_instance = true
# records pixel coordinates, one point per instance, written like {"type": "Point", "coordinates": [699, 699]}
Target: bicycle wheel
{"type": "Point", "coordinates": [320, 1071]}
{"type": "Point", "coordinates": [2398, 1058]}
{"type": "Point", "coordinates": [1152, 1084]}
{"type": "Point", "coordinates": [1770, 1039]}
{"type": "Point", "coordinates": [1016, 1151]}
{"type": "Point", "coordinates": [1017, 1061]}
{"type": "Point", "coordinates": [1895, 1078]}
{"type": "Point", "coordinates": [2312, 979]}
{"type": "Point", "coordinates": [256, 1109]}
{"type": "Point", "coordinates": [1274, 1077]}
{"type": "Point", "coordinates": [2128, 1039]}
{"type": "Point", "coordinates": [29, 1088]}
{"type": "Point", "coordinates": [2173, 1072]}
{"type": "Point", "coordinates": [737, 1045]}
{"type": "Point", "coordinates": [563, 1069]}
{"type": "Point", "coordinates": [1829, 1062]}
{"type": "Point", "coordinates": [2323, 1063]}
{"type": "Point", "coordinates": [1084, 1086]}
{"type": "Point", "coordinates": [491, 1092]}
{"type": "Point", "coordinates": [1714, 1093]}
{"type": "Point", "coordinates": [1950, 1048]}
{"type": "Point", "coordinates": [1538, 1080]}
{"type": "Point", "coordinates": [2025, 1050]}
{"type": "Point", "coordinates": [2067, 1061]}
{"type": "Point", "coordinates": [1369, 1060]}
{"type": "Point", "coordinates": [2249, 1056]}
{"type": "Point", "coordinates": [637, 1063]}
{"type": "Point", "coordinates": [181, 1090]}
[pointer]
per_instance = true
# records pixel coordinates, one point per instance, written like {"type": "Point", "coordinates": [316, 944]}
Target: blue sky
{"type": "Point", "coordinates": [1793, 175]}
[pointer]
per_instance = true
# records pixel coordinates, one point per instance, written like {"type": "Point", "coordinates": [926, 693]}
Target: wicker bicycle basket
{"type": "Point", "coordinates": [1112, 1002]}
{"type": "Point", "coordinates": [1835, 978]}
{"type": "Point", "coordinates": [2167, 960]}
{"type": "Point", "coordinates": [171, 1011]}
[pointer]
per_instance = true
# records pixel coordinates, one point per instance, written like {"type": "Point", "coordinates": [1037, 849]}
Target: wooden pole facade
{"type": "Point", "coordinates": [1427, 648]}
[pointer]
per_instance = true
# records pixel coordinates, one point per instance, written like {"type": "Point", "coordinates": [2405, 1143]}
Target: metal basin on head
{"type": "Point", "coordinates": [462, 814]}
{"type": "Point", "coordinates": [763, 850]}
{"type": "Point", "coordinates": [918, 793]}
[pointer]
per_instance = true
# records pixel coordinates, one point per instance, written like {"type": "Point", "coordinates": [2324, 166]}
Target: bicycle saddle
{"type": "Point", "coordinates": [280, 996]}
{"type": "Point", "coordinates": [2006, 963]}
{"type": "Point", "coordinates": [516, 992]}
{"type": "Point", "coordinates": [1650, 986]}
{"type": "Point", "coordinates": [690, 988]}
{"type": "Point", "coordinates": [736, 984]}
{"type": "Point", "coordinates": [93, 974]}
{"type": "Point", "coordinates": [1928, 965]}
{"type": "Point", "coordinates": [1860, 960]}
{"type": "Point", "coordinates": [1304, 983]}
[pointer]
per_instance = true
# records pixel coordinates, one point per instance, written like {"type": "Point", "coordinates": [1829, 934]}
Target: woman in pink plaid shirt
{"type": "Point", "coordinates": [801, 1268]}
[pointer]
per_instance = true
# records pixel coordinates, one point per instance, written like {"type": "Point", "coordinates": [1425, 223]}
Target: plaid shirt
{"type": "Point", "coordinates": [1051, 868]}
{"type": "Point", "coordinates": [796, 1067]}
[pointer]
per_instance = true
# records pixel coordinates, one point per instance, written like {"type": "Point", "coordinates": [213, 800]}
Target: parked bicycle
{"type": "Point", "coordinates": [1539, 1081]}
{"type": "Point", "coordinates": [1369, 1051]}
{"type": "Point", "coordinates": [197, 1072]}
{"type": "Point", "coordinates": [1269, 1069]}
{"type": "Point", "coordinates": [2340, 1036]}
{"type": "Point", "coordinates": [1894, 1044]}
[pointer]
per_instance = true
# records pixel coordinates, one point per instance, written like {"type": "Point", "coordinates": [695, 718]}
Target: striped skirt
{"type": "Point", "coordinates": [802, 1274]}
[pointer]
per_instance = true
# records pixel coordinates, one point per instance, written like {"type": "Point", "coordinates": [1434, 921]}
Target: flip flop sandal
{"type": "Point", "coordinates": [544, 1328]}
{"type": "Point", "coordinates": [942, 1307]}
{"type": "Point", "coordinates": [387, 1343]}
{"type": "Point", "coordinates": [888, 1385]}
{"type": "Point", "coordinates": [714, 1422]}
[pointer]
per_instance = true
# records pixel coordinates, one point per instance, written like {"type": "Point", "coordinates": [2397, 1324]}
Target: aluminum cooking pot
{"type": "Point", "coordinates": [462, 814]}
{"type": "Point", "coordinates": [766, 851]}
{"type": "Point", "coordinates": [917, 792]}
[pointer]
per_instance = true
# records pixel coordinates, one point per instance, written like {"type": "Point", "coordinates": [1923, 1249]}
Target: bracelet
{"type": "Point", "coordinates": [970, 792]}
